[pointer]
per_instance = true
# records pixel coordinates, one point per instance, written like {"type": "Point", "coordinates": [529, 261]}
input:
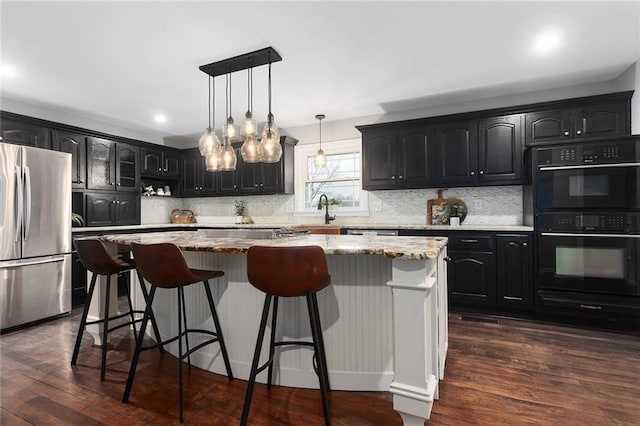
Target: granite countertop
{"type": "Point", "coordinates": [410, 248]}
{"type": "Point", "coordinates": [497, 228]}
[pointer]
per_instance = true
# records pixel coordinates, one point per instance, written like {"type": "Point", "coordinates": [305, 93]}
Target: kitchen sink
{"type": "Point", "coordinates": [252, 234]}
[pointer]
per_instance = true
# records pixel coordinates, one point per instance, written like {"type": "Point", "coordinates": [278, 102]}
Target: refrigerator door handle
{"type": "Point", "coordinates": [18, 208]}
{"type": "Point", "coordinates": [21, 263]}
{"type": "Point", "coordinates": [27, 203]}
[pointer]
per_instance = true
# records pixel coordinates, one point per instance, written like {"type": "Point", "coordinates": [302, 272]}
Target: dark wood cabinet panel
{"type": "Point", "coordinates": [500, 149]}
{"type": "Point", "coordinates": [610, 119]}
{"type": "Point", "coordinates": [457, 152]}
{"type": "Point", "coordinates": [23, 133]}
{"type": "Point", "coordinates": [76, 145]}
{"type": "Point", "coordinates": [514, 271]}
{"type": "Point", "coordinates": [545, 126]}
{"type": "Point", "coordinates": [471, 277]}
{"type": "Point", "coordinates": [127, 158]}
{"type": "Point", "coordinates": [159, 163]}
{"type": "Point", "coordinates": [105, 209]}
{"type": "Point", "coordinates": [378, 159]}
{"type": "Point", "coordinates": [127, 209]}
{"type": "Point", "coordinates": [101, 167]}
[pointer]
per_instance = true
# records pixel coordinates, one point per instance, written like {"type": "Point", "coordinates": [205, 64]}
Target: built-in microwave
{"type": "Point", "coordinates": [603, 175]}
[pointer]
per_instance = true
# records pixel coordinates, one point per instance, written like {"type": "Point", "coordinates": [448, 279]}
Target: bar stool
{"type": "Point", "coordinates": [288, 272]}
{"type": "Point", "coordinates": [95, 258]}
{"type": "Point", "coordinates": [164, 266]}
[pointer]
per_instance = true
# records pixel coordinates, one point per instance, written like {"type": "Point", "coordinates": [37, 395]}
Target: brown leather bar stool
{"type": "Point", "coordinates": [95, 258]}
{"type": "Point", "coordinates": [288, 272]}
{"type": "Point", "coordinates": [164, 266]}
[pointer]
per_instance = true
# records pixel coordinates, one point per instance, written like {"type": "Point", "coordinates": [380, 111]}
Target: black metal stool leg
{"type": "Point", "coordinates": [314, 320]}
{"type": "Point", "coordinates": [180, 312]}
{"type": "Point", "coordinates": [216, 323]}
{"type": "Point", "coordinates": [256, 360]}
{"type": "Point", "coordinates": [133, 318]}
{"type": "Point", "coordinates": [154, 324]}
{"type": "Point", "coordinates": [136, 352]}
{"type": "Point", "coordinates": [83, 320]}
{"type": "Point", "coordinates": [105, 330]}
{"type": "Point", "coordinates": [314, 300]}
{"type": "Point", "coordinates": [186, 327]}
{"type": "Point", "coordinates": [272, 347]}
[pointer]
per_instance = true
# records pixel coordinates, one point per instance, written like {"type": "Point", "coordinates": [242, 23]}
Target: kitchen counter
{"type": "Point", "coordinates": [384, 316]}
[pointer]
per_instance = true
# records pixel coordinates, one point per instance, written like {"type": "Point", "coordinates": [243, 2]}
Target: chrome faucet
{"type": "Point", "coordinates": [327, 218]}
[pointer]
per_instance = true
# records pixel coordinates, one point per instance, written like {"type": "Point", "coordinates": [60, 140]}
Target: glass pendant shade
{"type": "Point", "coordinates": [229, 130]}
{"type": "Point", "coordinates": [212, 162]}
{"type": "Point", "coordinates": [269, 149]}
{"type": "Point", "coordinates": [228, 157]}
{"type": "Point", "coordinates": [249, 150]}
{"type": "Point", "coordinates": [320, 160]}
{"type": "Point", "coordinates": [249, 126]}
{"type": "Point", "coordinates": [208, 142]}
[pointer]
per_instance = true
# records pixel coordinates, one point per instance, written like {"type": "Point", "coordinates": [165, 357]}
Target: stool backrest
{"type": "Point", "coordinates": [94, 256]}
{"type": "Point", "coordinates": [287, 271]}
{"type": "Point", "coordinates": [162, 265]}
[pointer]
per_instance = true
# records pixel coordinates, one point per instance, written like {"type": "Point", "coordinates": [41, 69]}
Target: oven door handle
{"type": "Point", "coordinates": [566, 234]}
{"type": "Point", "coordinates": [589, 166]}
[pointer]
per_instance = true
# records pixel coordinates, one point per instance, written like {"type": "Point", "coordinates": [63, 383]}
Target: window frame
{"type": "Point", "coordinates": [302, 152]}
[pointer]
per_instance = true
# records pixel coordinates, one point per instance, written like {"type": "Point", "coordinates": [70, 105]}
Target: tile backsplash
{"type": "Point", "coordinates": [494, 205]}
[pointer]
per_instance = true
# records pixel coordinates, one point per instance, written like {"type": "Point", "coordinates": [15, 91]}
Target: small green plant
{"type": "Point", "coordinates": [240, 207]}
{"type": "Point", "coordinates": [77, 219]}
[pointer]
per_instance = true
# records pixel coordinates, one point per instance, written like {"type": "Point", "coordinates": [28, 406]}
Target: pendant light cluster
{"type": "Point", "coordinates": [221, 156]}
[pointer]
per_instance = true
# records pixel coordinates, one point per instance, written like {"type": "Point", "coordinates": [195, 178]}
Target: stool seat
{"type": "Point", "coordinates": [96, 259]}
{"type": "Point", "coordinates": [164, 267]}
{"type": "Point", "coordinates": [288, 272]}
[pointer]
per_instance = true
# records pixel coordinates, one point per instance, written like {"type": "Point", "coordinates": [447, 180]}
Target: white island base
{"type": "Point", "coordinates": [375, 339]}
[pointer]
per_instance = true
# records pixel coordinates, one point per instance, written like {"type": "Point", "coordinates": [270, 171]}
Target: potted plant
{"type": "Point", "coordinates": [240, 210]}
{"type": "Point", "coordinates": [76, 219]}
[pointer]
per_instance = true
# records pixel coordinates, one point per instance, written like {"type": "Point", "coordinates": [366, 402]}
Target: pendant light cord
{"type": "Point", "coordinates": [212, 104]}
{"type": "Point", "coordinates": [209, 103]}
{"type": "Point", "coordinates": [320, 133]}
{"type": "Point", "coordinates": [270, 116]}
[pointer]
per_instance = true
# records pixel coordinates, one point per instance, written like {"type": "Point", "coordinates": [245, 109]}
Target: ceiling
{"type": "Point", "coordinates": [124, 62]}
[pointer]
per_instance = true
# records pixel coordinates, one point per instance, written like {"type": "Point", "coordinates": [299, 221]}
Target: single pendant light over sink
{"type": "Point", "coordinates": [320, 160]}
{"type": "Point", "coordinates": [269, 149]}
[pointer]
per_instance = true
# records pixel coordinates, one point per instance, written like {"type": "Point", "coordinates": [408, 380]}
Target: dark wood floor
{"type": "Point", "coordinates": [512, 372]}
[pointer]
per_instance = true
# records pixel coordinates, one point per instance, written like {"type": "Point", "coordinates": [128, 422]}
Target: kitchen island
{"type": "Point", "coordinates": [384, 318]}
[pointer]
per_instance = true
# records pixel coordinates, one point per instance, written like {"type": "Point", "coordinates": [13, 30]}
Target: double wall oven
{"type": "Point", "coordinates": [587, 198]}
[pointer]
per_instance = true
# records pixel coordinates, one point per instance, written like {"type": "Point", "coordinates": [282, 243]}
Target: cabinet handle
{"type": "Point", "coordinates": [481, 172]}
{"type": "Point", "coordinates": [261, 185]}
{"type": "Point", "coordinates": [469, 241]}
{"type": "Point", "coordinates": [159, 169]}
{"type": "Point", "coordinates": [81, 180]}
{"type": "Point", "coordinates": [591, 307]}
{"type": "Point", "coordinates": [472, 173]}
{"type": "Point", "coordinates": [400, 177]}
{"type": "Point", "coordinates": [112, 183]}
{"type": "Point", "coordinates": [524, 244]}
{"type": "Point", "coordinates": [579, 132]}
{"type": "Point", "coordinates": [447, 259]}
{"type": "Point", "coordinates": [566, 133]}
{"type": "Point", "coordinates": [393, 177]}
{"type": "Point", "coordinates": [118, 184]}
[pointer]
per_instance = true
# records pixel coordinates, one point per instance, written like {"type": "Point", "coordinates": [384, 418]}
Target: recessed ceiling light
{"type": "Point", "coordinates": [547, 41]}
{"type": "Point", "coordinates": [7, 71]}
{"type": "Point", "coordinates": [160, 118]}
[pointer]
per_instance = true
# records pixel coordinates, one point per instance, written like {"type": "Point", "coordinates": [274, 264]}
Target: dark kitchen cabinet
{"type": "Point", "coordinates": [514, 271]}
{"type": "Point", "coordinates": [471, 269]}
{"type": "Point", "coordinates": [112, 166]}
{"type": "Point", "coordinates": [106, 209]}
{"type": "Point", "coordinates": [398, 157]}
{"type": "Point", "coordinates": [196, 180]}
{"type": "Point", "coordinates": [268, 178]}
{"type": "Point", "coordinates": [25, 133]}
{"type": "Point", "coordinates": [159, 163]}
{"type": "Point", "coordinates": [76, 145]}
{"type": "Point", "coordinates": [481, 152]}
{"type": "Point", "coordinates": [599, 119]}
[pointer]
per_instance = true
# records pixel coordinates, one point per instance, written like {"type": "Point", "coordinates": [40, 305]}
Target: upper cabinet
{"type": "Point", "coordinates": [196, 181]}
{"type": "Point", "coordinates": [397, 157]}
{"type": "Point", "coordinates": [76, 145]}
{"type": "Point", "coordinates": [604, 117]}
{"type": "Point", "coordinates": [112, 166]}
{"type": "Point", "coordinates": [158, 162]}
{"type": "Point", "coordinates": [25, 133]}
{"type": "Point", "coordinates": [482, 147]}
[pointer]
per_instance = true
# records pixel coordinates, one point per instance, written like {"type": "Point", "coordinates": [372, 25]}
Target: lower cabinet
{"type": "Point", "coordinates": [515, 269]}
{"type": "Point", "coordinates": [104, 209]}
{"type": "Point", "coordinates": [472, 269]}
{"type": "Point", "coordinates": [78, 282]}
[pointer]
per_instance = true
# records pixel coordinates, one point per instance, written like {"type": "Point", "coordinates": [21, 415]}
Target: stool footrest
{"type": "Point", "coordinates": [185, 332]}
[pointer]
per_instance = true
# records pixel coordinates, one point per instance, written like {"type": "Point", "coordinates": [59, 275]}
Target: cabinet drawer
{"type": "Point", "coordinates": [471, 242]}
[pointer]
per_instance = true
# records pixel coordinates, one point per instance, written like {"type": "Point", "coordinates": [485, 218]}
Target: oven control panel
{"type": "Point", "coordinates": [621, 223]}
{"type": "Point", "coordinates": [589, 153]}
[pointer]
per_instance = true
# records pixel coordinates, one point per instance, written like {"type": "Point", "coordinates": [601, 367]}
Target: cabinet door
{"type": "Point", "coordinates": [151, 160]}
{"type": "Point", "coordinates": [101, 171]}
{"type": "Point", "coordinates": [127, 208]}
{"type": "Point", "coordinates": [602, 120]}
{"type": "Point", "coordinates": [500, 149]}
{"type": "Point", "coordinates": [457, 151]}
{"type": "Point", "coordinates": [270, 178]}
{"type": "Point", "coordinates": [209, 180]}
{"type": "Point", "coordinates": [545, 126]}
{"type": "Point", "coordinates": [190, 175]}
{"type": "Point", "coordinates": [100, 210]}
{"type": "Point", "coordinates": [75, 144]}
{"type": "Point", "coordinates": [227, 183]}
{"type": "Point", "coordinates": [248, 177]}
{"type": "Point", "coordinates": [127, 172]}
{"type": "Point", "coordinates": [416, 146]}
{"type": "Point", "coordinates": [17, 132]}
{"type": "Point", "coordinates": [471, 277]}
{"type": "Point", "coordinates": [171, 164]}
{"type": "Point", "coordinates": [378, 159]}
{"type": "Point", "coordinates": [514, 271]}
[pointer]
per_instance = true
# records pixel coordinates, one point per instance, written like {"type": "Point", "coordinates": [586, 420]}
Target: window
{"type": "Point", "coordinates": [339, 180]}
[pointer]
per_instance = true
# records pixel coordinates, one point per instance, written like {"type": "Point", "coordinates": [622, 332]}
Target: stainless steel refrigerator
{"type": "Point", "coordinates": [35, 234]}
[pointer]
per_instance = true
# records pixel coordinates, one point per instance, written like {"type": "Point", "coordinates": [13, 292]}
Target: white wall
{"type": "Point", "coordinates": [630, 80]}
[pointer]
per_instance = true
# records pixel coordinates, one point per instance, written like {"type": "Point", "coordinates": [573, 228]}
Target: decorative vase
{"type": "Point", "coordinates": [239, 219]}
